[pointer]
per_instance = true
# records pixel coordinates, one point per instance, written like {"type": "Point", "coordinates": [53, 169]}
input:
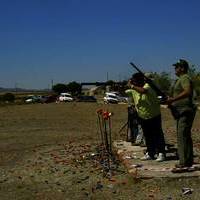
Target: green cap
{"type": "Point", "coordinates": [182, 63]}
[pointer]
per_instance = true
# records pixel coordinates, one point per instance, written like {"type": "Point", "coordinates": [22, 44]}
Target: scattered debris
{"type": "Point", "coordinates": [187, 191]}
{"type": "Point", "coordinates": [99, 186]}
{"type": "Point", "coordinates": [169, 198]}
{"type": "Point", "coordinates": [137, 165]}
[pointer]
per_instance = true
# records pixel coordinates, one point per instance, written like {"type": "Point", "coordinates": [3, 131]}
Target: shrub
{"type": "Point", "coordinates": [8, 97]}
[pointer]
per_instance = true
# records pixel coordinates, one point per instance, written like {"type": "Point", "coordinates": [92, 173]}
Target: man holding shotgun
{"type": "Point", "coordinates": [148, 109]}
{"type": "Point", "coordinates": [182, 100]}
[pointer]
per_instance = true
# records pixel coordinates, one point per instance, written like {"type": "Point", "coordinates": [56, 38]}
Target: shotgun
{"type": "Point", "coordinates": [164, 97]}
{"type": "Point", "coordinates": [151, 83]}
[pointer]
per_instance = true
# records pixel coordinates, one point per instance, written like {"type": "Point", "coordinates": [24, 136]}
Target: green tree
{"type": "Point", "coordinates": [197, 84]}
{"type": "Point", "coordinates": [195, 76]}
{"type": "Point", "coordinates": [163, 81]}
{"type": "Point", "coordinates": [8, 97]}
{"type": "Point", "coordinates": [74, 88]}
{"type": "Point", "coordinates": [192, 71]}
{"type": "Point", "coordinates": [59, 88]}
{"type": "Point", "coordinates": [110, 82]}
{"type": "Point", "coordinates": [122, 87]}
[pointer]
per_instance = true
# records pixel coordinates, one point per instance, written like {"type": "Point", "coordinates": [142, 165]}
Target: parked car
{"type": "Point", "coordinates": [41, 98]}
{"type": "Point", "coordinates": [50, 99]}
{"type": "Point", "coordinates": [86, 99]}
{"type": "Point", "coordinates": [35, 99]}
{"type": "Point", "coordinates": [65, 97]}
{"type": "Point", "coordinates": [114, 97]}
{"type": "Point", "coordinates": [31, 99]}
{"type": "Point", "coordinates": [111, 98]}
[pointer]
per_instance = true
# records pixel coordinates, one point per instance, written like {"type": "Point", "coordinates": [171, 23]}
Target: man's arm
{"type": "Point", "coordinates": [187, 90]}
{"type": "Point", "coordinates": [139, 89]}
{"type": "Point", "coordinates": [186, 93]}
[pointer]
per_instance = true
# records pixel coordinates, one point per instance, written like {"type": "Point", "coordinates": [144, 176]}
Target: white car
{"type": "Point", "coordinates": [110, 98]}
{"type": "Point", "coordinates": [65, 97]}
{"type": "Point", "coordinates": [114, 97]}
{"type": "Point", "coordinates": [31, 99]}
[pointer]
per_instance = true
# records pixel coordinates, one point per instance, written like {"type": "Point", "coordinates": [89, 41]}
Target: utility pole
{"type": "Point", "coordinates": [119, 77]}
{"type": "Point", "coordinates": [107, 76]}
{"type": "Point", "coordinates": [52, 84]}
{"type": "Point", "coordinates": [15, 87]}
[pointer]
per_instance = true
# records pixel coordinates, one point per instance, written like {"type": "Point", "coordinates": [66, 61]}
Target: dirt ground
{"type": "Point", "coordinates": [47, 151]}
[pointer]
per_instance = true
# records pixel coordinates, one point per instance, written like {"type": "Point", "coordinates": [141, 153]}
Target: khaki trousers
{"type": "Point", "coordinates": [184, 138]}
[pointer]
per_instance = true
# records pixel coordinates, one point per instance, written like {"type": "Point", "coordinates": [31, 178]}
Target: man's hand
{"type": "Point", "coordinates": [129, 83]}
{"type": "Point", "coordinates": [169, 101]}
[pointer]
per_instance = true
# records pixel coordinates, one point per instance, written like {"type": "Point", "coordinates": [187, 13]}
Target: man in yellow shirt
{"type": "Point", "coordinates": [148, 108]}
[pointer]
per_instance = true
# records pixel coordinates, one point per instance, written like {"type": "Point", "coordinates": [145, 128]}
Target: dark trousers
{"type": "Point", "coordinates": [132, 124]}
{"type": "Point", "coordinates": [184, 139]}
{"type": "Point", "coordinates": [153, 133]}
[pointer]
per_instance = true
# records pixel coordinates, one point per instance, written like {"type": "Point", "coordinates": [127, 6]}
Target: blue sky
{"type": "Point", "coordinates": [86, 40]}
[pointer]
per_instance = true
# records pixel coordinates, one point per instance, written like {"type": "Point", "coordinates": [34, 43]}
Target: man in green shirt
{"type": "Point", "coordinates": [148, 108]}
{"type": "Point", "coordinates": [182, 100]}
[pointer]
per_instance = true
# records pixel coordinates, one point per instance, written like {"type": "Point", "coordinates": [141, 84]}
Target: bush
{"type": "Point", "coordinates": [8, 97]}
{"type": "Point", "coordinates": [59, 88]}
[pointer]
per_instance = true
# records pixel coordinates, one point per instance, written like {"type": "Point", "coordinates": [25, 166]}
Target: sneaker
{"type": "Point", "coordinates": [135, 144]}
{"type": "Point", "coordinates": [182, 166]}
{"type": "Point", "coordinates": [161, 157]}
{"type": "Point", "coordinates": [180, 170]}
{"type": "Point", "coordinates": [146, 157]}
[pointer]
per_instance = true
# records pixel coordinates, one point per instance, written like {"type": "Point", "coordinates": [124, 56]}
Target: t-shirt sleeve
{"type": "Point", "coordinates": [129, 92]}
{"type": "Point", "coordinates": [146, 86]}
{"type": "Point", "coordinates": [185, 82]}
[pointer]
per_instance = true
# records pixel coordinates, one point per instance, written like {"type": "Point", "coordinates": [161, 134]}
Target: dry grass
{"type": "Point", "coordinates": [41, 147]}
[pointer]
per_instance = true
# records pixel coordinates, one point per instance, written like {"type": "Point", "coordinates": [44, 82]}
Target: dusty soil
{"type": "Point", "coordinates": [49, 151]}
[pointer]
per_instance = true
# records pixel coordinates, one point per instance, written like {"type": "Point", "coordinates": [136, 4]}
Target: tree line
{"type": "Point", "coordinates": [163, 80]}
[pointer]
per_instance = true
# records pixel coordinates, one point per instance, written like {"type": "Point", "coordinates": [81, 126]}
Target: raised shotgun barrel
{"type": "Point", "coordinates": [151, 83]}
{"type": "Point", "coordinates": [164, 97]}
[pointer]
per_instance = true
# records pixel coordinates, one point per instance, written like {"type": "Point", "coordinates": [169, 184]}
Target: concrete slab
{"type": "Point", "coordinates": [130, 156]}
